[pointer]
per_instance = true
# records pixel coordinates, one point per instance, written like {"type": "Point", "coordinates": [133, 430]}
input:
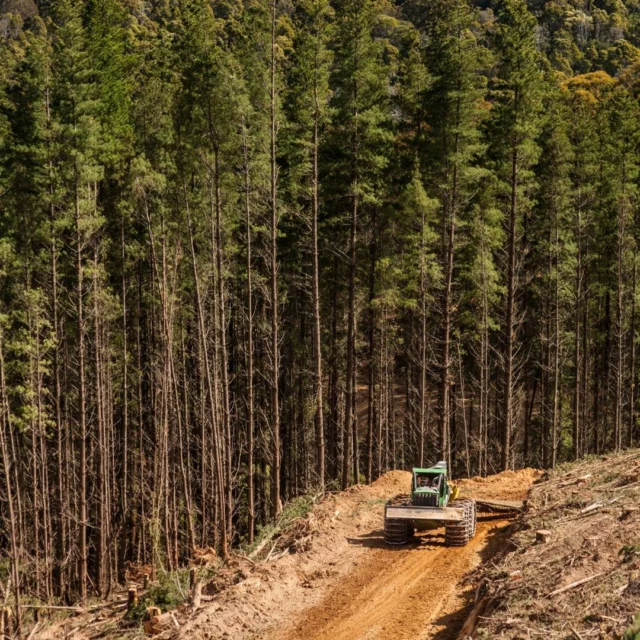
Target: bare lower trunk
{"type": "Point", "coordinates": [556, 354]}
{"type": "Point", "coordinates": [317, 336]}
{"type": "Point", "coordinates": [349, 415]}
{"type": "Point", "coordinates": [577, 409]}
{"type": "Point", "coordinates": [5, 424]}
{"type": "Point", "coordinates": [510, 320]}
{"type": "Point", "coordinates": [276, 504]}
{"type": "Point", "coordinates": [251, 515]}
{"type": "Point", "coordinates": [222, 330]}
{"type": "Point", "coordinates": [632, 353]}
{"type": "Point", "coordinates": [422, 413]}
{"type": "Point", "coordinates": [371, 372]}
{"type": "Point", "coordinates": [82, 412]}
{"type": "Point", "coordinates": [211, 396]}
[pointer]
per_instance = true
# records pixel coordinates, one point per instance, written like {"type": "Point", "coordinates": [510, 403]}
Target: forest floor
{"type": "Point", "coordinates": [329, 575]}
{"type": "Point", "coordinates": [572, 568]}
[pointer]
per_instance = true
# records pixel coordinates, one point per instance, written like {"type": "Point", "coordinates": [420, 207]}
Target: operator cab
{"type": "Point", "coordinates": [430, 481]}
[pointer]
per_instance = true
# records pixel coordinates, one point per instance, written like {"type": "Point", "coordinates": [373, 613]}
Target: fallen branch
{"type": "Point", "coordinates": [592, 507]}
{"type": "Point", "coordinates": [53, 606]}
{"type": "Point", "coordinates": [175, 620]}
{"type": "Point", "coordinates": [259, 548]}
{"type": "Point", "coordinates": [97, 607]}
{"type": "Point", "coordinates": [590, 510]}
{"type": "Point", "coordinates": [575, 584]}
{"type": "Point", "coordinates": [240, 555]}
{"type": "Point", "coordinates": [482, 606]}
{"type": "Point", "coordinates": [569, 483]}
{"type": "Point", "coordinates": [270, 552]}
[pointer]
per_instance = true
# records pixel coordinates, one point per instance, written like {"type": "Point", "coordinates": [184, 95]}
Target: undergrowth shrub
{"type": "Point", "coordinates": [297, 508]}
{"type": "Point", "coordinates": [633, 632]}
{"type": "Point", "coordinates": [171, 590]}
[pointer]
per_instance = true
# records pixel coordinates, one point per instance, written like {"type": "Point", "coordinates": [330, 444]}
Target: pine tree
{"type": "Point", "coordinates": [516, 92]}
{"type": "Point", "coordinates": [78, 174]}
{"type": "Point", "coordinates": [454, 110]}
{"type": "Point", "coordinates": [307, 111]}
{"type": "Point", "coordinates": [550, 239]}
{"type": "Point", "coordinates": [358, 138]}
{"type": "Point", "coordinates": [619, 144]}
{"type": "Point", "coordinates": [582, 105]}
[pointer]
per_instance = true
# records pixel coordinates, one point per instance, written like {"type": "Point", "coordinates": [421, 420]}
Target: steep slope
{"type": "Point", "coordinates": [580, 577]}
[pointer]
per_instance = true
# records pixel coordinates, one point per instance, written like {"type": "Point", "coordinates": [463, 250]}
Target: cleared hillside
{"type": "Point", "coordinates": [583, 581]}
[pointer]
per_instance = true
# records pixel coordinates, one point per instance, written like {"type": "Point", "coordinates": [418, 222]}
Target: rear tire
{"type": "Point", "coordinates": [458, 534]}
{"type": "Point", "coordinates": [396, 531]}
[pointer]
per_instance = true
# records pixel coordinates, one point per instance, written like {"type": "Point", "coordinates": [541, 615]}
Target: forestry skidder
{"type": "Point", "coordinates": [432, 503]}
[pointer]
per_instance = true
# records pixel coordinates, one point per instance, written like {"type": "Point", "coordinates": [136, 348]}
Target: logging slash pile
{"type": "Point", "coordinates": [572, 569]}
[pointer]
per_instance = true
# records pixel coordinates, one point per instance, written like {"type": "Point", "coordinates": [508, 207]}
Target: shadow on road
{"type": "Point", "coordinates": [375, 540]}
{"type": "Point", "coordinates": [452, 622]}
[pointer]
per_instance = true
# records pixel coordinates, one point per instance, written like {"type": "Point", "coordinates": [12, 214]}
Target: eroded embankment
{"type": "Point", "coordinates": [573, 569]}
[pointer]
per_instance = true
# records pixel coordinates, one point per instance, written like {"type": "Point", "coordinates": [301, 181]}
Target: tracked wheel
{"type": "Point", "coordinates": [474, 519]}
{"type": "Point", "coordinates": [458, 534]}
{"type": "Point", "coordinates": [397, 531]}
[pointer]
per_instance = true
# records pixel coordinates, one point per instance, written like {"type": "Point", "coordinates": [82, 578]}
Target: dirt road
{"type": "Point", "coordinates": [335, 579]}
{"type": "Point", "coordinates": [415, 592]}
{"type": "Point", "coordinates": [411, 593]}
{"type": "Point", "coordinates": [344, 583]}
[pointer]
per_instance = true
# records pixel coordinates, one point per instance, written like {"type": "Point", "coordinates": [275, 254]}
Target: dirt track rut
{"type": "Point", "coordinates": [413, 592]}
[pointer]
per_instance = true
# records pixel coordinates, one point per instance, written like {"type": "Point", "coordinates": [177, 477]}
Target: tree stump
{"type": "Point", "coordinates": [543, 536]}
{"type": "Point", "coordinates": [158, 622]}
{"type": "Point", "coordinates": [150, 619]}
{"type": "Point", "coordinates": [132, 597]}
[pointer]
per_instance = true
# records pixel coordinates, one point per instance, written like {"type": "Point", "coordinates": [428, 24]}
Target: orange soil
{"type": "Point", "coordinates": [405, 594]}
{"type": "Point", "coordinates": [344, 583]}
{"type": "Point", "coordinates": [350, 586]}
{"type": "Point", "coordinates": [413, 592]}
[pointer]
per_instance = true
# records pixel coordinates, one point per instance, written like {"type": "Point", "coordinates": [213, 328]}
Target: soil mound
{"type": "Point", "coordinates": [508, 485]}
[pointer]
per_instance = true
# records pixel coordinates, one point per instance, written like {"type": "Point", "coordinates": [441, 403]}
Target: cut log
{"type": "Point", "coordinates": [160, 623]}
{"type": "Point", "coordinates": [575, 584]}
{"type": "Point", "coordinates": [592, 507]}
{"type": "Point", "coordinates": [499, 506]}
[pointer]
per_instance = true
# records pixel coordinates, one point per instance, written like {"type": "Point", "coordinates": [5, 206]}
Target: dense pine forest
{"type": "Point", "coordinates": [254, 249]}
